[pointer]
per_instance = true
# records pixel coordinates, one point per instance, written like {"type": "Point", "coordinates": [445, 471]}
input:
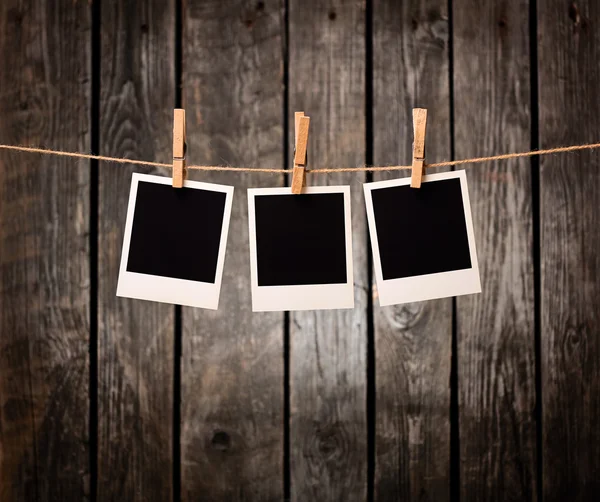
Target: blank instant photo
{"type": "Point", "coordinates": [175, 239]}
{"type": "Point", "coordinates": [422, 238]}
{"type": "Point", "coordinates": [300, 248]}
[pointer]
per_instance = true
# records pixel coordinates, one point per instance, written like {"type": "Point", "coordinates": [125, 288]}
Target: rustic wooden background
{"type": "Point", "coordinates": [487, 397]}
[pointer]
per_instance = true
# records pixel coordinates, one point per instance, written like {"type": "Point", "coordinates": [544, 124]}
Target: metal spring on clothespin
{"type": "Point", "coordinates": [179, 148]}
{"type": "Point", "coordinates": [418, 162]}
{"type": "Point", "coordinates": [301, 123]}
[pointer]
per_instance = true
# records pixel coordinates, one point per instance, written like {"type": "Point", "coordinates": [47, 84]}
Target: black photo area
{"type": "Point", "coordinates": [176, 232]}
{"type": "Point", "coordinates": [300, 239]}
{"type": "Point", "coordinates": [421, 231]}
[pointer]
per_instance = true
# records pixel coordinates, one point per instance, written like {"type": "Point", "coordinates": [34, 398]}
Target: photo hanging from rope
{"type": "Point", "coordinates": [301, 248]}
{"type": "Point", "coordinates": [422, 239]}
{"type": "Point", "coordinates": [174, 243]}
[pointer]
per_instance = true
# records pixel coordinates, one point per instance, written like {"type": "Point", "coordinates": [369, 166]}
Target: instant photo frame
{"type": "Point", "coordinates": [300, 248]}
{"type": "Point", "coordinates": [422, 238]}
{"type": "Point", "coordinates": [175, 240]}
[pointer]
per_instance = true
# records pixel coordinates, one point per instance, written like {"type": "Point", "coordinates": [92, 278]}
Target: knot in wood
{"type": "Point", "coordinates": [406, 316]}
{"type": "Point", "coordinates": [330, 441]}
{"type": "Point", "coordinates": [220, 441]}
{"type": "Point", "coordinates": [575, 347]}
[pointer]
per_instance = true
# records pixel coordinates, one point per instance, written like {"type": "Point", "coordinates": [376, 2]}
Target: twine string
{"type": "Point", "coordinates": [475, 160]}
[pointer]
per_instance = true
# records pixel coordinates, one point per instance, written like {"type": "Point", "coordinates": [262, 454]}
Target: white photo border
{"type": "Point", "coordinates": [301, 297]}
{"type": "Point", "coordinates": [429, 286]}
{"type": "Point", "coordinates": [168, 289]}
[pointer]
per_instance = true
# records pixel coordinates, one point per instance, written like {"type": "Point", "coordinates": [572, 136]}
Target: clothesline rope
{"type": "Point", "coordinates": [475, 160]}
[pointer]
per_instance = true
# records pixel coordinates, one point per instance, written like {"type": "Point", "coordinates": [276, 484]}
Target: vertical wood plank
{"type": "Point", "coordinates": [44, 252]}
{"type": "Point", "coordinates": [569, 51]}
{"type": "Point", "coordinates": [413, 342]}
{"type": "Point", "coordinates": [135, 338]}
{"type": "Point", "coordinates": [328, 434]}
{"type": "Point", "coordinates": [496, 345]}
{"type": "Point", "coordinates": [232, 363]}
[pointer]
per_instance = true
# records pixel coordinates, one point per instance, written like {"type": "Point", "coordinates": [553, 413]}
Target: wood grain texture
{"type": "Point", "coordinates": [413, 342]}
{"type": "Point", "coordinates": [232, 365]}
{"type": "Point", "coordinates": [569, 52]}
{"type": "Point", "coordinates": [495, 329]}
{"type": "Point", "coordinates": [328, 435]}
{"type": "Point", "coordinates": [135, 338]}
{"type": "Point", "coordinates": [44, 252]}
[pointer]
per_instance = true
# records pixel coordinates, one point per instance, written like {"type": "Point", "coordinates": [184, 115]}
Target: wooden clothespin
{"type": "Point", "coordinates": [179, 148]}
{"type": "Point", "coordinates": [419, 124]}
{"type": "Point", "coordinates": [301, 139]}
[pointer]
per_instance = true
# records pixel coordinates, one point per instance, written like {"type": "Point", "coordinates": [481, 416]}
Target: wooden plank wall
{"type": "Point", "coordinates": [328, 420]}
{"type": "Point", "coordinates": [569, 51]}
{"type": "Point", "coordinates": [413, 342]}
{"type": "Point", "coordinates": [487, 397]}
{"type": "Point", "coordinates": [232, 438]}
{"type": "Point", "coordinates": [45, 98]}
{"type": "Point", "coordinates": [135, 339]}
{"type": "Point", "coordinates": [495, 330]}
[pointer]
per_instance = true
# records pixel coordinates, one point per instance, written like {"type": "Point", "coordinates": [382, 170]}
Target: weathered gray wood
{"type": "Point", "coordinates": [569, 52]}
{"type": "Point", "coordinates": [135, 338]}
{"type": "Point", "coordinates": [44, 259]}
{"type": "Point", "coordinates": [328, 435]}
{"type": "Point", "coordinates": [496, 356]}
{"type": "Point", "coordinates": [232, 364]}
{"type": "Point", "coordinates": [413, 342]}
